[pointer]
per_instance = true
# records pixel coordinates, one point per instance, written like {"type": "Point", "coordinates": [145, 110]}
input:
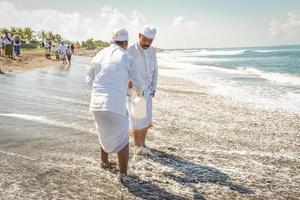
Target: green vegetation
{"type": "Point", "coordinates": [92, 44]}
{"type": "Point", "coordinates": [33, 39]}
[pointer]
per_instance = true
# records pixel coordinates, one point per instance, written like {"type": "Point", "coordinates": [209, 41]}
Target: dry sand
{"type": "Point", "coordinates": [27, 60]}
{"type": "Point", "coordinates": [203, 147]}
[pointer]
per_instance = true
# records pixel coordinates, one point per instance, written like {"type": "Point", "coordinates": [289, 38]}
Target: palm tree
{"type": "Point", "coordinates": [27, 34]}
{"type": "Point", "coordinates": [42, 35]}
{"type": "Point", "coordinates": [50, 35]}
{"type": "Point", "coordinates": [58, 37]}
{"type": "Point", "coordinates": [13, 31]}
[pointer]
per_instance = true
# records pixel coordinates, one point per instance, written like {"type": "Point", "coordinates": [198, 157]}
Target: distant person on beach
{"type": "Point", "coordinates": [108, 75]}
{"type": "Point", "coordinates": [1, 45]}
{"type": "Point", "coordinates": [1, 50]}
{"type": "Point", "coordinates": [144, 56]}
{"type": "Point", "coordinates": [56, 52]}
{"type": "Point", "coordinates": [8, 45]}
{"type": "Point", "coordinates": [17, 45]}
{"type": "Point", "coordinates": [47, 46]}
{"type": "Point", "coordinates": [63, 52]}
{"type": "Point", "coordinates": [72, 48]}
{"type": "Point", "coordinates": [69, 54]}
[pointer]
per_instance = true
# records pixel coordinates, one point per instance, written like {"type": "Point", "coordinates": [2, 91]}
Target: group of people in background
{"type": "Point", "coordinates": [62, 51]}
{"type": "Point", "coordinates": [10, 45]}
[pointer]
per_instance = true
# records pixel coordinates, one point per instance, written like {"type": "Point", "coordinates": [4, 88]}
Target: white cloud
{"type": "Point", "coordinates": [181, 22]}
{"type": "Point", "coordinates": [291, 26]}
{"type": "Point", "coordinates": [72, 25]}
{"type": "Point", "coordinates": [138, 19]}
{"type": "Point", "coordinates": [115, 18]}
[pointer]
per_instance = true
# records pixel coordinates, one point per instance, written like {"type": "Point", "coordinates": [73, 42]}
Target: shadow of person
{"type": "Point", "coordinates": [63, 67]}
{"type": "Point", "coordinates": [147, 190]}
{"type": "Point", "coordinates": [194, 173]}
{"type": "Point", "coordinates": [143, 189]}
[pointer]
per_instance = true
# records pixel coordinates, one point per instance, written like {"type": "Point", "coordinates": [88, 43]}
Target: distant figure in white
{"type": "Point", "coordinates": [108, 74]}
{"type": "Point", "coordinates": [63, 51]}
{"type": "Point", "coordinates": [144, 57]}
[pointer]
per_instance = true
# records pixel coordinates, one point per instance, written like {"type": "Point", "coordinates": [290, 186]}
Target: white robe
{"type": "Point", "coordinates": [108, 75]}
{"type": "Point", "coordinates": [146, 64]}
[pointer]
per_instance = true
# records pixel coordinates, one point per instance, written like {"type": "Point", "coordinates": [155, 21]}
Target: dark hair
{"type": "Point", "coordinates": [120, 43]}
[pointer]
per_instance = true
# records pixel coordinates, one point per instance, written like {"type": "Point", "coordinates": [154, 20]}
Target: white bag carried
{"type": "Point", "coordinates": [138, 106]}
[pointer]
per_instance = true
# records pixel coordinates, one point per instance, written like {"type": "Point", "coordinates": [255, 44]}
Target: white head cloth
{"type": "Point", "coordinates": [120, 35]}
{"type": "Point", "coordinates": [148, 31]}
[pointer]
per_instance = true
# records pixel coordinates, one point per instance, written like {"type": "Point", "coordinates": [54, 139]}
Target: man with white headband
{"type": "Point", "coordinates": [108, 74]}
{"type": "Point", "coordinates": [144, 57]}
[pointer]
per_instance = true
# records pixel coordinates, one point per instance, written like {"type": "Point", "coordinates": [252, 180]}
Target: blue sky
{"type": "Point", "coordinates": [180, 24]}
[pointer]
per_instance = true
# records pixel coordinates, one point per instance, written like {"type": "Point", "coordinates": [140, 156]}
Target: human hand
{"type": "Point", "coordinates": [140, 93]}
{"type": "Point", "coordinates": [152, 93]}
{"type": "Point", "coordinates": [129, 85]}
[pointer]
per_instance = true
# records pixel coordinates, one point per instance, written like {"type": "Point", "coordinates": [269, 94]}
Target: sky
{"type": "Point", "coordinates": [179, 23]}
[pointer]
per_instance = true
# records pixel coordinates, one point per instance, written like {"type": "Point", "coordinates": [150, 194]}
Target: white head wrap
{"type": "Point", "coordinates": [120, 35]}
{"type": "Point", "coordinates": [148, 31]}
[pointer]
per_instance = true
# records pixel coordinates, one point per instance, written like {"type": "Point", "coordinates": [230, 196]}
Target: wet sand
{"type": "Point", "coordinates": [27, 60]}
{"type": "Point", "coordinates": [203, 147]}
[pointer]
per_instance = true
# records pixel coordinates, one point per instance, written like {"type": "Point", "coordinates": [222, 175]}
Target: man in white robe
{"type": "Point", "coordinates": [63, 51]}
{"type": "Point", "coordinates": [108, 74]}
{"type": "Point", "coordinates": [144, 58]}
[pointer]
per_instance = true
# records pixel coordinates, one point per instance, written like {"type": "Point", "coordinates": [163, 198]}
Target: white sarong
{"type": "Point", "coordinates": [138, 124]}
{"type": "Point", "coordinates": [112, 130]}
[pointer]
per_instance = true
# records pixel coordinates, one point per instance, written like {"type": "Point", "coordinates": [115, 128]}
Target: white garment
{"type": "Point", "coordinates": [146, 65]}
{"type": "Point", "coordinates": [112, 130]}
{"type": "Point", "coordinates": [108, 75]}
{"type": "Point", "coordinates": [17, 38]}
{"type": "Point", "coordinates": [7, 40]}
{"type": "Point", "coordinates": [138, 124]}
{"type": "Point", "coordinates": [1, 42]}
{"type": "Point", "coordinates": [63, 49]}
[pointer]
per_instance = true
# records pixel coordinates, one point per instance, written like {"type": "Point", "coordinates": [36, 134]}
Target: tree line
{"type": "Point", "coordinates": [33, 39]}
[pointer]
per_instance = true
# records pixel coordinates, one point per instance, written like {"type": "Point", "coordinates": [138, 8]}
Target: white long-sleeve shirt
{"type": "Point", "coordinates": [62, 48]}
{"type": "Point", "coordinates": [7, 40]}
{"type": "Point", "coordinates": [108, 75]}
{"type": "Point", "coordinates": [145, 62]}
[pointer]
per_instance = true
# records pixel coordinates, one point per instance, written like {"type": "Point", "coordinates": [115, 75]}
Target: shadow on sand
{"type": "Point", "coordinates": [147, 190]}
{"type": "Point", "coordinates": [190, 173]}
{"type": "Point", "coordinates": [143, 189]}
{"type": "Point", "coordinates": [194, 173]}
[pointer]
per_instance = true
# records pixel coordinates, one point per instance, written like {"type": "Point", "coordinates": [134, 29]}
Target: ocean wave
{"type": "Point", "coordinates": [280, 78]}
{"type": "Point", "coordinates": [205, 52]}
{"type": "Point", "coordinates": [224, 52]}
{"type": "Point", "coordinates": [274, 50]}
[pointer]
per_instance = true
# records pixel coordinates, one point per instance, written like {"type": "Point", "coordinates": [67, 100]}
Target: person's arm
{"type": "Point", "coordinates": [134, 76]}
{"type": "Point", "coordinates": [154, 76]}
{"type": "Point", "coordinates": [90, 74]}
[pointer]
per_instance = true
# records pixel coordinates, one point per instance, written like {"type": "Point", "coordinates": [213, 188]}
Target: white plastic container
{"type": "Point", "coordinates": [138, 106]}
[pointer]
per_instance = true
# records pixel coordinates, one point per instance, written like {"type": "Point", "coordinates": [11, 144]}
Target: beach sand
{"type": "Point", "coordinates": [27, 60]}
{"type": "Point", "coordinates": [203, 147]}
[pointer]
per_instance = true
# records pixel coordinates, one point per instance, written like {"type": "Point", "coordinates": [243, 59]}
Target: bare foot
{"type": "Point", "coordinates": [108, 164]}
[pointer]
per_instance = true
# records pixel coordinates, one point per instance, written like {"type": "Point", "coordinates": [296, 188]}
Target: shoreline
{"type": "Point", "coordinates": [27, 60]}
